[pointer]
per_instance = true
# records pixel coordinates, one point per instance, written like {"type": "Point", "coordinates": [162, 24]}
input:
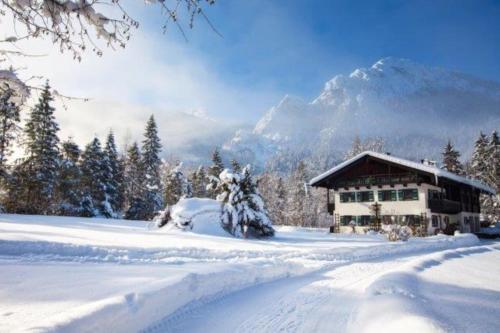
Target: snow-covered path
{"type": "Point", "coordinates": [329, 301]}
{"type": "Point", "coordinates": [60, 274]}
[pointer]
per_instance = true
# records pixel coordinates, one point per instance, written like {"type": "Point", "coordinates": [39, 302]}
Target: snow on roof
{"type": "Point", "coordinates": [410, 164]}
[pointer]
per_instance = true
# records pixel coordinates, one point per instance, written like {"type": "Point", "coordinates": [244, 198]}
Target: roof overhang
{"type": "Point", "coordinates": [322, 180]}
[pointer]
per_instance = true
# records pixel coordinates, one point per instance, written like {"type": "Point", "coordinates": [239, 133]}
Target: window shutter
{"type": "Point", "coordinates": [370, 196]}
{"type": "Point", "coordinates": [415, 194]}
{"type": "Point", "coordinates": [393, 195]}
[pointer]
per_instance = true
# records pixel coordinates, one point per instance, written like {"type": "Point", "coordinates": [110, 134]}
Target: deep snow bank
{"type": "Point", "coordinates": [402, 300]}
{"type": "Point", "coordinates": [198, 215]}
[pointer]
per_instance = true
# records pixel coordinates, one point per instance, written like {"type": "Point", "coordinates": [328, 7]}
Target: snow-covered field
{"type": "Point", "coordinates": [91, 275]}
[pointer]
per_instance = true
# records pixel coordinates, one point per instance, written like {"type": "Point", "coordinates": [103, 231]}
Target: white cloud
{"type": "Point", "coordinates": [152, 75]}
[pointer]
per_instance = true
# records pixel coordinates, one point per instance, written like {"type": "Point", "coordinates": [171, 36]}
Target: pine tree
{"type": "Point", "coordinates": [198, 181]}
{"type": "Point", "coordinates": [451, 160]}
{"type": "Point", "coordinates": [9, 120]}
{"type": "Point", "coordinates": [93, 179]}
{"type": "Point", "coordinates": [69, 194]}
{"type": "Point", "coordinates": [112, 176]}
{"type": "Point", "coordinates": [236, 166]}
{"type": "Point", "coordinates": [243, 212]}
{"type": "Point", "coordinates": [177, 186]}
{"type": "Point", "coordinates": [41, 163]}
{"type": "Point", "coordinates": [133, 179]}
{"type": "Point", "coordinates": [213, 174]}
{"type": "Point", "coordinates": [151, 163]}
{"type": "Point", "coordinates": [490, 205]}
{"type": "Point", "coordinates": [479, 158]}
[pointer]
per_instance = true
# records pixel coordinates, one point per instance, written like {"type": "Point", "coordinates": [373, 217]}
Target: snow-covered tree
{"type": "Point", "coordinates": [235, 165]}
{"type": "Point", "coordinates": [279, 205]}
{"type": "Point", "coordinates": [243, 211]}
{"type": "Point", "coordinates": [177, 186]}
{"type": "Point", "coordinates": [274, 193]}
{"type": "Point", "coordinates": [490, 205]}
{"type": "Point", "coordinates": [451, 160]}
{"type": "Point", "coordinates": [112, 175]}
{"type": "Point", "coordinates": [69, 190]}
{"type": "Point", "coordinates": [372, 144]}
{"type": "Point", "coordinates": [298, 196]}
{"type": "Point", "coordinates": [76, 26]}
{"type": "Point", "coordinates": [151, 164]}
{"type": "Point", "coordinates": [93, 180]}
{"type": "Point", "coordinates": [199, 182]}
{"type": "Point", "coordinates": [478, 165]}
{"type": "Point", "coordinates": [213, 174]}
{"type": "Point", "coordinates": [9, 123]}
{"type": "Point", "coordinates": [41, 164]}
{"type": "Point", "coordinates": [133, 175]}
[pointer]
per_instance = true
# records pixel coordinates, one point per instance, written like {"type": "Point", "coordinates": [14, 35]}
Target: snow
{"type": "Point", "coordinates": [414, 108]}
{"type": "Point", "coordinates": [198, 215]}
{"type": "Point", "coordinates": [97, 275]}
{"type": "Point", "coordinates": [454, 290]}
{"type": "Point", "coordinates": [414, 165]}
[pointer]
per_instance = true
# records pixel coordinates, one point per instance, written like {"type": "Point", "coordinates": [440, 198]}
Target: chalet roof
{"type": "Point", "coordinates": [438, 173]}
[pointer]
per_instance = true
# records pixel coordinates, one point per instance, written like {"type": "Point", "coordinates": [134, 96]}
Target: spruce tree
{"type": "Point", "coordinates": [243, 212]}
{"type": "Point", "coordinates": [480, 158]}
{"type": "Point", "coordinates": [42, 154]}
{"type": "Point", "coordinates": [93, 179]}
{"type": "Point", "coordinates": [133, 175]}
{"type": "Point", "coordinates": [199, 184]}
{"type": "Point", "coordinates": [69, 192]}
{"type": "Point", "coordinates": [151, 164]}
{"type": "Point", "coordinates": [112, 175]}
{"type": "Point", "coordinates": [9, 120]}
{"type": "Point", "coordinates": [490, 204]}
{"type": "Point", "coordinates": [236, 166]}
{"type": "Point", "coordinates": [213, 174]}
{"type": "Point", "coordinates": [177, 186]}
{"type": "Point", "coordinates": [451, 160]}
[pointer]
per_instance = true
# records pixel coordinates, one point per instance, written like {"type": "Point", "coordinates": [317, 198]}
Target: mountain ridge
{"type": "Point", "coordinates": [414, 108]}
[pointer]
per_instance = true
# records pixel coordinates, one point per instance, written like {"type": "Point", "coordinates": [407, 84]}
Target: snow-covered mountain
{"type": "Point", "coordinates": [414, 108]}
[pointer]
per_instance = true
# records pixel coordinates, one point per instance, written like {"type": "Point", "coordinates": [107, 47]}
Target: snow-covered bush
{"type": "Point", "coordinates": [396, 232]}
{"type": "Point", "coordinates": [243, 211]}
{"type": "Point", "coordinates": [199, 215]}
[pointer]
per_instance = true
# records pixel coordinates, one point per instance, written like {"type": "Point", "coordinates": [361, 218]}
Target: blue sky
{"type": "Point", "coordinates": [296, 45]}
{"type": "Point", "coordinates": [269, 48]}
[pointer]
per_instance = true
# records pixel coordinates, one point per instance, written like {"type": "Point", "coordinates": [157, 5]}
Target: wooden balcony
{"type": "Point", "coordinates": [381, 179]}
{"type": "Point", "coordinates": [444, 206]}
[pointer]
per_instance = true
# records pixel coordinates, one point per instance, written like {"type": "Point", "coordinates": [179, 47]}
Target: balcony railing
{"type": "Point", "coordinates": [444, 206]}
{"type": "Point", "coordinates": [379, 180]}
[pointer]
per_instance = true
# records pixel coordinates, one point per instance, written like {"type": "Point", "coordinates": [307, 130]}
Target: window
{"type": "Point", "coordinates": [348, 197]}
{"type": "Point", "coordinates": [388, 195]}
{"type": "Point", "coordinates": [364, 220]}
{"type": "Point", "coordinates": [435, 221]}
{"type": "Point", "coordinates": [408, 194]}
{"type": "Point", "coordinates": [446, 221]}
{"type": "Point", "coordinates": [364, 196]}
{"type": "Point", "coordinates": [389, 219]}
{"type": "Point", "coordinates": [411, 220]}
{"type": "Point", "coordinates": [346, 219]}
{"type": "Point", "coordinates": [434, 195]}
